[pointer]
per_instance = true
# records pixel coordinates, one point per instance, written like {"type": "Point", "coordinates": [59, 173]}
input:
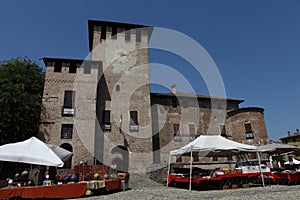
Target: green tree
{"type": "Point", "coordinates": [21, 88]}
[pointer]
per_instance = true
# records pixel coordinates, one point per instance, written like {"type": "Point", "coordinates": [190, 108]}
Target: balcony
{"type": "Point", "coordinates": [68, 111]}
{"type": "Point", "coordinates": [133, 127]}
{"type": "Point", "coordinates": [177, 138]}
{"type": "Point", "coordinates": [192, 137]}
{"type": "Point", "coordinates": [249, 135]}
{"type": "Point", "coordinates": [106, 126]}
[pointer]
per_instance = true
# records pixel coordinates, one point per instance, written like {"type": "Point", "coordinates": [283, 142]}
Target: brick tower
{"type": "Point", "coordinates": [123, 132]}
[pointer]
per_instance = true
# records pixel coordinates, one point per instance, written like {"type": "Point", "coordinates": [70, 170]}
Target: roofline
{"type": "Point", "coordinates": [199, 96]}
{"type": "Point", "coordinates": [126, 26]}
{"type": "Point", "coordinates": [45, 59]}
{"type": "Point", "coordinates": [246, 109]}
{"type": "Point", "coordinates": [291, 136]}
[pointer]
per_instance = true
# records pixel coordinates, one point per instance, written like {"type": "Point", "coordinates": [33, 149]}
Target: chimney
{"type": "Point", "coordinates": [173, 86]}
{"type": "Point", "coordinates": [289, 133]}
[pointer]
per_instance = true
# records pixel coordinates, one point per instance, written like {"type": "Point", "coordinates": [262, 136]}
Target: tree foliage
{"type": "Point", "coordinates": [21, 88]}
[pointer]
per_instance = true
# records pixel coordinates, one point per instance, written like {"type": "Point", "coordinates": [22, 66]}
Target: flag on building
{"type": "Point", "coordinates": [120, 124]}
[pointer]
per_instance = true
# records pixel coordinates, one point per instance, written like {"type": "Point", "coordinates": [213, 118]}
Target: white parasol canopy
{"type": "Point", "coordinates": [32, 151]}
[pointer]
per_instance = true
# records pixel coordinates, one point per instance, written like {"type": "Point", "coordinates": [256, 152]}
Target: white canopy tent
{"type": "Point", "coordinates": [212, 145]}
{"type": "Point", "coordinates": [31, 151]}
{"type": "Point", "coordinates": [292, 162]}
{"type": "Point", "coordinates": [277, 148]}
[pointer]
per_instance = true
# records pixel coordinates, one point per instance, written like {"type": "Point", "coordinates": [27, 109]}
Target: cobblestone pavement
{"type": "Point", "coordinates": [143, 188]}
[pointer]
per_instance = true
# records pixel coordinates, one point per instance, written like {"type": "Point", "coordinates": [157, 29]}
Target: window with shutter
{"type": "Point", "coordinates": [192, 135]}
{"type": "Point", "coordinates": [134, 124]}
{"type": "Point", "coordinates": [106, 125]}
{"type": "Point", "coordinates": [176, 133]}
{"type": "Point", "coordinates": [248, 130]}
{"type": "Point", "coordinates": [66, 131]}
{"type": "Point", "coordinates": [69, 103]}
{"type": "Point", "coordinates": [223, 130]}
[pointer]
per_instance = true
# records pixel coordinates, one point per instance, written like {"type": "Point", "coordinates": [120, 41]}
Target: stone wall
{"type": "Point", "coordinates": [83, 120]}
{"type": "Point", "coordinates": [235, 125]}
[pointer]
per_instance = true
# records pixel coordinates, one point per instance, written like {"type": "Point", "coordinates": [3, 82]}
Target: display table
{"type": "Point", "coordinates": [53, 191]}
{"type": "Point", "coordinates": [113, 184]}
{"type": "Point", "coordinates": [109, 185]}
{"type": "Point", "coordinates": [94, 184]}
{"type": "Point", "coordinates": [219, 181]}
{"type": "Point", "coordinates": [287, 177]}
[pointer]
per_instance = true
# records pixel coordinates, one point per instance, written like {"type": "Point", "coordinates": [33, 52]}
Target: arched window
{"type": "Point", "coordinates": [117, 88]}
{"type": "Point", "coordinates": [67, 163]}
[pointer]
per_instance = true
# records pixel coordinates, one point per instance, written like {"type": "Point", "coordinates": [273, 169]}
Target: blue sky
{"type": "Point", "coordinates": [254, 43]}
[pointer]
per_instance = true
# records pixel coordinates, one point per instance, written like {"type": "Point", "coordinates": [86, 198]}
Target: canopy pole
{"type": "Point", "coordinates": [261, 174]}
{"type": "Point", "coordinates": [191, 163]}
{"type": "Point", "coordinates": [169, 165]}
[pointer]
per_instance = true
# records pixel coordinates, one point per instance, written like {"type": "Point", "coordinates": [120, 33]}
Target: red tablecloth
{"type": "Point", "coordinates": [288, 177]}
{"type": "Point", "coordinates": [198, 180]}
{"type": "Point", "coordinates": [54, 191]}
{"type": "Point", "coordinates": [113, 184]}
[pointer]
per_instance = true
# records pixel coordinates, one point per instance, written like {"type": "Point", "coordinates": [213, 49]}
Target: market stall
{"type": "Point", "coordinates": [290, 176]}
{"type": "Point", "coordinates": [212, 145]}
{"type": "Point", "coordinates": [83, 179]}
{"type": "Point", "coordinates": [101, 177]}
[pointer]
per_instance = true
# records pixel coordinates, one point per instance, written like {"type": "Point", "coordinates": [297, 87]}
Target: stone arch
{"type": "Point", "coordinates": [120, 158]}
{"type": "Point", "coordinates": [67, 163]}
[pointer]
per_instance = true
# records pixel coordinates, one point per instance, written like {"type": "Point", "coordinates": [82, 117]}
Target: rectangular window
{"type": "Point", "coordinates": [127, 35]}
{"type": "Point", "coordinates": [195, 157]}
{"type": "Point", "coordinates": [106, 120]}
{"type": "Point", "coordinates": [114, 33]}
{"type": "Point", "coordinates": [248, 130]}
{"type": "Point", "coordinates": [252, 156]}
{"type": "Point", "coordinates": [57, 67]}
{"type": "Point", "coordinates": [138, 35]}
{"type": "Point", "coordinates": [69, 103]}
{"type": "Point", "coordinates": [66, 131]}
{"type": "Point", "coordinates": [134, 124]}
{"type": "Point", "coordinates": [178, 159]}
{"type": "Point", "coordinates": [176, 133]}
{"type": "Point", "coordinates": [69, 99]}
{"type": "Point", "coordinates": [248, 127]}
{"type": "Point", "coordinates": [223, 130]}
{"type": "Point", "coordinates": [174, 103]}
{"type": "Point", "coordinates": [72, 68]}
{"type": "Point", "coordinates": [87, 68]}
{"type": "Point", "coordinates": [192, 132]}
{"type": "Point", "coordinates": [215, 158]}
{"type": "Point", "coordinates": [103, 33]}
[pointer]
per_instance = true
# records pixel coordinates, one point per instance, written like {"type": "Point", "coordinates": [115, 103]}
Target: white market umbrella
{"type": "Point", "coordinates": [31, 151]}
